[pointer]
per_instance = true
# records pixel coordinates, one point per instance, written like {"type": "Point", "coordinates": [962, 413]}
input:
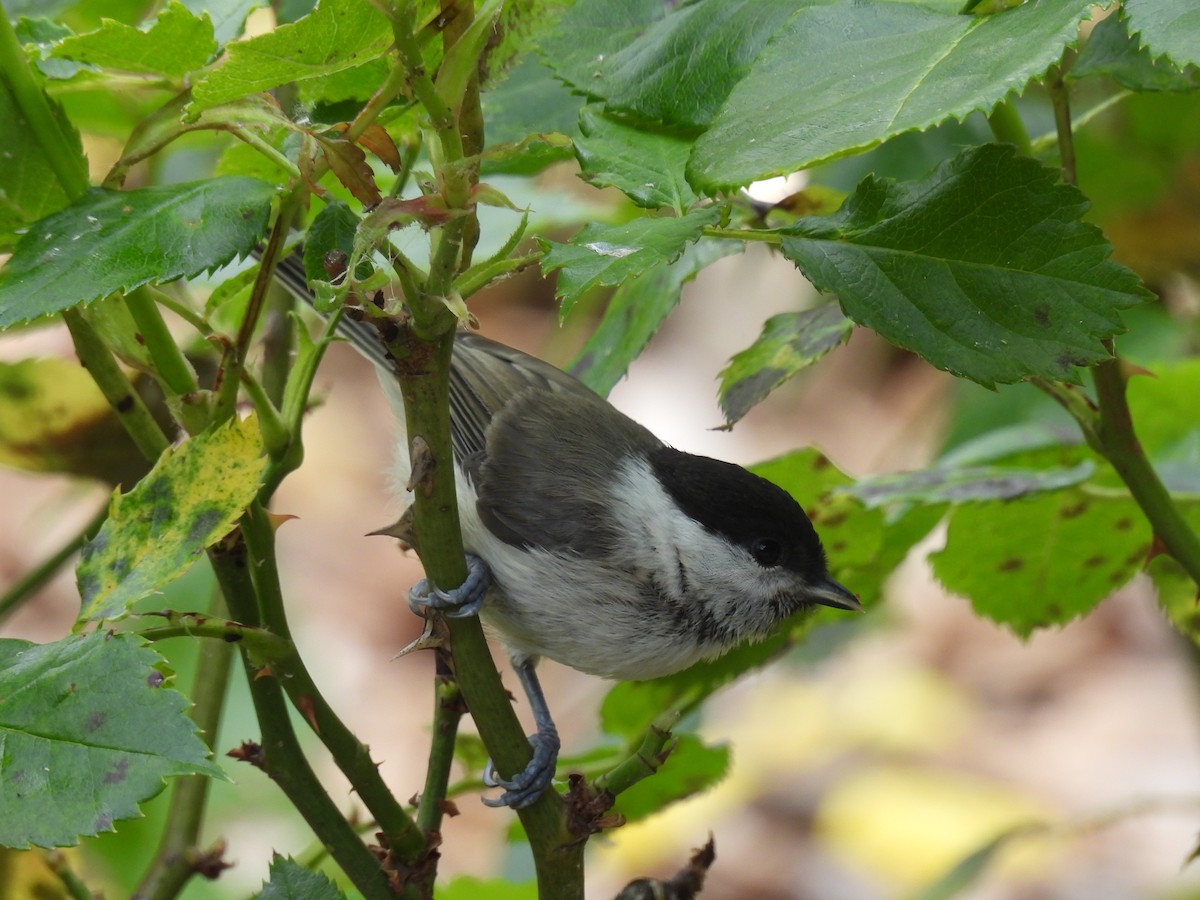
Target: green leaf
{"type": "Point", "coordinates": [290, 881]}
{"type": "Point", "coordinates": [87, 732]}
{"type": "Point", "coordinates": [528, 102]}
{"type": "Point", "coordinates": [337, 35]}
{"type": "Point", "coordinates": [659, 61]}
{"type": "Point", "coordinates": [635, 312]}
{"type": "Point", "coordinates": [842, 77]}
{"type": "Point", "coordinates": [333, 229]}
{"type": "Point", "coordinates": [1167, 27]}
{"type": "Point", "coordinates": [38, 38]}
{"type": "Point", "coordinates": [789, 343]}
{"type": "Point", "coordinates": [609, 254]}
{"type": "Point", "coordinates": [189, 500]}
{"type": "Point", "coordinates": [1112, 51]}
{"type": "Point", "coordinates": [967, 871]}
{"type": "Point", "coordinates": [176, 43]}
{"type": "Point", "coordinates": [1047, 558]}
{"type": "Point", "coordinates": [690, 769]}
{"type": "Point", "coordinates": [29, 186]}
{"type": "Point", "coordinates": [941, 484]}
{"type": "Point", "coordinates": [984, 268]}
{"type": "Point", "coordinates": [647, 166]}
{"type": "Point", "coordinates": [110, 241]}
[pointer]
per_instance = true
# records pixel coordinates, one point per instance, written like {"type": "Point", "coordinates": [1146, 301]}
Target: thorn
{"type": "Point", "coordinates": [434, 635]}
{"type": "Point", "coordinates": [277, 519]}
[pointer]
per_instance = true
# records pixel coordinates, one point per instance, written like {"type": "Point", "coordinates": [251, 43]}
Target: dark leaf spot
{"type": "Point", "coordinates": [1074, 510]}
{"type": "Point", "coordinates": [155, 678]}
{"type": "Point", "coordinates": [1093, 562]}
{"type": "Point", "coordinates": [1012, 564]}
{"type": "Point", "coordinates": [1124, 523]}
{"type": "Point", "coordinates": [95, 721]}
{"type": "Point", "coordinates": [118, 773]}
{"type": "Point", "coordinates": [1041, 315]}
{"type": "Point", "coordinates": [104, 822]}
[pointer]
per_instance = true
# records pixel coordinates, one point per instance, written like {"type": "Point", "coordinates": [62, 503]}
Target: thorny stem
{"type": "Point", "coordinates": [178, 850]}
{"type": "Point", "coordinates": [1109, 427]}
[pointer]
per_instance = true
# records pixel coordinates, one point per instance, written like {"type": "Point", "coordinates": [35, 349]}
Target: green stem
{"type": "Point", "coordinates": [117, 390]}
{"type": "Point", "coordinates": [448, 710]}
{"type": "Point", "coordinates": [34, 579]}
{"type": "Point", "coordinates": [169, 362]}
{"type": "Point", "coordinates": [352, 756]}
{"type": "Point", "coordinates": [281, 756]}
{"type": "Point", "coordinates": [262, 646]}
{"type": "Point", "coordinates": [744, 234]}
{"type": "Point", "coordinates": [58, 863]}
{"type": "Point", "coordinates": [59, 145]}
{"type": "Point", "coordinates": [643, 762]}
{"type": "Point", "coordinates": [249, 137]}
{"type": "Point", "coordinates": [178, 849]}
{"type": "Point", "coordinates": [1110, 430]}
{"type": "Point", "coordinates": [1007, 126]}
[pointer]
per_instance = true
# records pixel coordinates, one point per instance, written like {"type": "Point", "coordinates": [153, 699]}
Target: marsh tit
{"type": "Point", "coordinates": [593, 543]}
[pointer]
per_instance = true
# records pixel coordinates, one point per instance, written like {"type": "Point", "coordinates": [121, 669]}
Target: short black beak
{"type": "Point", "coordinates": [828, 592]}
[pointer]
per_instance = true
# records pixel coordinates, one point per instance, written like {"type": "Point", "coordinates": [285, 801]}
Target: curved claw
{"type": "Point", "coordinates": [527, 785]}
{"type": "Point", "coordinates": [456, 603]}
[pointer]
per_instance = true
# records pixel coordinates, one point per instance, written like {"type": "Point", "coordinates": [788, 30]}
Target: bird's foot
{"type": "Point", "coordinates": [456, 603]}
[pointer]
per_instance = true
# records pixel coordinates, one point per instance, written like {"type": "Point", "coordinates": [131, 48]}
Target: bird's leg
{"type": "Point", "coordinates": [530, 783]}
{"type": "Point", "coordinates": [456, 603]}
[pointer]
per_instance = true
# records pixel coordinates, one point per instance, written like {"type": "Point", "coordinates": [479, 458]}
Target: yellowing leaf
{"type": "Point", "coordinates": [191, 498]}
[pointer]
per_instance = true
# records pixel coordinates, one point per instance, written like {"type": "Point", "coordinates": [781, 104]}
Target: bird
{"type": "Point", "coordinates": [590, 541]}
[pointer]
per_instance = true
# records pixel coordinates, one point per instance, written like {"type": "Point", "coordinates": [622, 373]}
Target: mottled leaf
{"type": "Point", "coordinates": [1047, 558]}
{"type": "Point", "coordinates": [985, 268]}
{"type": "Point", "coordinates": [111, 241]}
{"type": "Point", "coordinates": [789, 343]}
{"type": "Point", "coordinates": [190, 499]}
{"type": "Point", "coordinates": [87, 732]}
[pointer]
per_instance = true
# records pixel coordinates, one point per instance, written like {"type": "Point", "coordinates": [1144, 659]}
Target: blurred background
{"type": "Point", "coordinates": [868, 763]}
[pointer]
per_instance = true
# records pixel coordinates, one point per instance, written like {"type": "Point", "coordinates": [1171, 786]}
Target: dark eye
{"type": "Point", "coordinates": [766, 552]}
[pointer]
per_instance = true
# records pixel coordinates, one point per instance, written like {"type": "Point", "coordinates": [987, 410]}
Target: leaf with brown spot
{"type": "Point", "coordinates": [83, 711]}
{"type": "Point", "coordinates": [349, 165]}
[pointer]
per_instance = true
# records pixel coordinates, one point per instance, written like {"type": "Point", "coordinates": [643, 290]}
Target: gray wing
{"type": "Point", "coordinates": [541, 448]}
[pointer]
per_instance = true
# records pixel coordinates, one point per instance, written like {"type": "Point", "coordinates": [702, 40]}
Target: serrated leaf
{"type": "Point", "coordinates": [189, 500]}
{"type": "Point", "coordinates": [789, 343]}
{"type": "Point", "coordinates": [691, 768]}
{"type": "Point", "coordinates": [663, 62]}
{"type": "Point", "coordinates": [609, 254]}
{"type": "Point", "coordinates": [1167, 28]}
{"type": "Point", "coordinates": [39, 38]}
{"type": "Point", "coordinates": [176, 43]}
{"type": "Point", "coordinates": [349, 165]}
{"type": "Point", "coordinates": [290, 881]}
{"type": "Point", "coordinates": [110, 241]}
{"type": "Point", "coordinates": [942, 484]}
{"type": "Point", "coordinates": [337, 35]}
{"type": "Point", "coordinates": [842, 77]}
{"type": "Point", "coordinates": [53, 418]}
{"type": "Point", "coordinates": [87, 732]}
{"type": "Point", "coordinates": [645, 165]}
{"type": "Point", "coordinates": [1112, 51]}
{"type": "Point", "coordinates": [635, 312]}
{"type": "Point", "coordinates": [530, 101]}
{"type": "Point", "coordinates": [1047, 559]}
{"type": "Point", "coordinates": [984, 268]}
